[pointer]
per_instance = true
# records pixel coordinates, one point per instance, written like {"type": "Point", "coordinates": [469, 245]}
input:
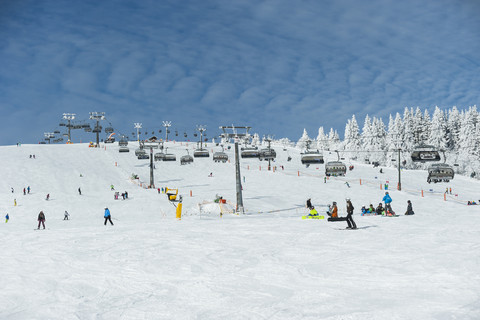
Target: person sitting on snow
{"type": "Point", "coordinates": [371, 209]}
{"type": "Point", "coordinates": [309, 204]}
{"type": "Point", "coordinates": [333, 212]}
{"type": "Point", "coordinates": [409, 209]}
{"type": "Point", "coordinates": [313, 212]}
{"type": "Point", "coordinates": [380, 209]}
{"type": "Point", "coordinates": [364, 210]}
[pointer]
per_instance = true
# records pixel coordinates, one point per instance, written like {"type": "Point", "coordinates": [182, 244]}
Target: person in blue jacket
{"type": "Point", "coordinates": [107, 216]}
{"type": "Point", "coordinates": [387, 199]}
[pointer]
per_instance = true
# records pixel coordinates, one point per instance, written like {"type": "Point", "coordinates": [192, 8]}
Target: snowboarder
{"type": "Point", "coordinates": [66, 215]}
{"type": "Point", "coordinates": [7, 217]}
{"type": "Point", "coordinates": [387, 199]}
{"type": "Point", "coordinates": [41, 219]}
{"type": "Point", "coordinates": [309, 204]}
{"type": "Point", "coordinates": [350, 222]}
{"type": "Point", "coordinates": [79, 191]}
{"type": "Point", "coordinates": [333, 212]}
{"type": "Point", "coordinates": [409, 209]}
{"type": "Point", "coordinates": [380, 210]}
{"type": "Point", "coordinates": [313, 212]}
{"type": "Point", "coordinates": [108, 217]}
{"type": "Point", "coordinates": [28, 189]}
{"type": "Point", "coordinates": [48, 197]}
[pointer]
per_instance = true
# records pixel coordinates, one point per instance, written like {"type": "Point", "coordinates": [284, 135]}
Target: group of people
{"type": "Point", "coordinates": [380, 210]}
{"type": "Point", "coordinates": [41, 218]}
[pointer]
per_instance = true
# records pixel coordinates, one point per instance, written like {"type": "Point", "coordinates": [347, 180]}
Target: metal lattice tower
{"type": "Point", "coordinates": [138, 126]}
{"type": "Point", "coordinates": [236, 136]}
{"type": "Point", "coordinates": [201, 129]}
{"type": "Point", "coordinates": [69, 117]}
{"type": "Point", "coordinates": [48, 136]}
{"type": "Point", "coordinates": [97, 116]}
{"type": "Point", "coordinates": [167, 124]}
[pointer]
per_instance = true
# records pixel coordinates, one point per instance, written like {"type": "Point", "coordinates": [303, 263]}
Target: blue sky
{"type": "Point", "coordinates": [278, 66]}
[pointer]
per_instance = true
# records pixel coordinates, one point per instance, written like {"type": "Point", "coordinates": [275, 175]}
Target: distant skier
{"type": "Point", "coordinates": [66, 215]}
{"type": "Point", "coordinates": [79, 191]}
{"type": "Point", "coordinates": [28, 189]}
{"type": "Point", "coordinates": [15, 202]}
{"type": "Point", "coordinates": [108, 217]}
{"type": "Point", "coordinates": [41, 219]}
{"type": "Point", "coordinates": [409, 209]}
{"type": "Point", "coordinates": [7, 217]}
{"type": "Point", "coordinates": [48, 197]}
{"type": "Point", "coordinates": [126, 195]}
{"type": "Point", "coordinates": [13, 190]}
{"type": "Point", "coordinates": [350, 222]}
{"type": "Point", "coordinates": [111, 187]}
{"type": "Point", "coordinates": [24, 191]}
{"type": "Point", "coordinates": [348, 185]}
{"type": "Point", "coordinates": [325, 179]}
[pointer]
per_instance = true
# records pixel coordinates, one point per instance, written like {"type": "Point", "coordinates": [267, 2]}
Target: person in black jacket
{"type": "Point", "coordinates": [350, 222]}
{"type": "Point", "coordinates": [41, 219]}
{"type": "Point", "coordinates": [409, 209]}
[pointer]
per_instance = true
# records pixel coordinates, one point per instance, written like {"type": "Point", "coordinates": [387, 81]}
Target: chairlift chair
{"type": "Point", "coordinates": [335, 168]}
{"type": "Point", "coordinates": [440, 172]}
{"type": "Point", "coordinates": [186, 159]}
{"type": "Point", "coordinates": [311, 156]}
{"type": "Point", "coordinates": [220, 157]}
{"type": "Point", "coordinates": [425, 153]}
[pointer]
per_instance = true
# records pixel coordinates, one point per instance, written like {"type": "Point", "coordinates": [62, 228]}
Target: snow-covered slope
{"type": "Point", "coordinates": [266, 264]}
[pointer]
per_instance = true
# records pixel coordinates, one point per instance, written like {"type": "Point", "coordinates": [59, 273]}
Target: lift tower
{"type": "Point", "coordinates": [167, 124]}
{"type": "Point", "coordinates": [138, 126]}
{"type": "Point", "coordinates": [97, 116]}
{"type": "Point", "coordinates": [236, 136]}
{"type": "Point", "coordinates": [69, 117]}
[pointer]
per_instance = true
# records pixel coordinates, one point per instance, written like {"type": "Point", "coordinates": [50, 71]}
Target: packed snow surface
{"type": "Point", "coordinates": [265, 264]}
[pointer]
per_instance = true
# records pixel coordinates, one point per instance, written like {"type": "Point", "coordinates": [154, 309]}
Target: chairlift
{"type": "Point", "coordinates": [159, 156]}
{"type": "Point", "coordinates": [335, 168]}
{"type": "Point", "coordinates": [139, 151]}
{"type": "Point", "coordinates": [169, 156]}
{"type": "Point", "coordinates": [201, 153]}
{"type": "Point", "coordinates": [108, 130]}
{"type": "Point", "coordinates": [97, 129]}
{"type": "Point", "coordinates": [250, 152]}
{"type": "Point", "coordinates": [186, 159]}
{"type": "Point", "coordinates": [176, 133]}
{"type": "Point", "coordinates": [56, 132]}
{"type": "Point", "coordinates": [123, 149]}
{"type": "Point", "coordinates": [311, 156]}
{"type": "Point", "coordinates": [424, 153]}
{"type": "Point", "coordinates": [267, 154]}
{"type": "Point", "coordinates": [440, 172]}
{"type": "Point", "coordinates": [220, 157]}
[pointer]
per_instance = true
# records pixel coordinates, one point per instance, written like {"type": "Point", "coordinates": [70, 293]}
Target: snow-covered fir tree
{"type": "Point", "coordinates": [303, 139]}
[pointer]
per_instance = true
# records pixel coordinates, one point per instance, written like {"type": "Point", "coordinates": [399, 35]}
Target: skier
{"type": "Point", "coordinates": [7, 217]}
{"type": "Point", "coordinates": [108, 217]}
{"type": "Point", "coordinates": [126, 195]}
{"type": "Point", "coordinates": [79, 191]}
{"type": "Point", "coordinates": [24, 191]}
{"type": "Point", "coordinates": [111, 187]}
{"type": "Point", "coordinates": [15, 202]}
{"type": "Point", "coordinates": [41, 219]}
{"type": "Point", "coordinates": [28, 189]}
{"type": "Point", "coordinates": [12, 190]}
{"type": "Point", "coordinates": [409, 209]}
{"type": "Point", "coordinates": [66, 215]}
{"type": "Point", "coordinates": [325, 179]}
{"type": "Point", "coordinates": [350, 222]}
{"type": "Point", "coordinates": [48, 196]}
{"type": "Point", "coordinates": [348, 185]}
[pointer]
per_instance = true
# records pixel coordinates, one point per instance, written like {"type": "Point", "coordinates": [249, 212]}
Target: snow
{"type": "Point", "coordinates": [265, 264]}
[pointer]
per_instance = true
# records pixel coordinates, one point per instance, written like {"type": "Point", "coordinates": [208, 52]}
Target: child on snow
{"type": "Point", "coordinates": [7, 217]}
{"type": "Point", "coordinates": [409, 209]}
{"type": "Point", "coordinates": [380, 209]}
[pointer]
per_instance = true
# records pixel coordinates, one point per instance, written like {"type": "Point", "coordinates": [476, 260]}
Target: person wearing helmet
{"type": "Point", "coordinates": [313, 212]}
{"type": "Point", "coordinates": [333, 213]}
{"type": "Point", "coordinates": [380, 210]}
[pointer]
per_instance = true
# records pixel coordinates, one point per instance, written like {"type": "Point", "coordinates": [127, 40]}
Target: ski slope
{"type": "Point", "coordinates": [265, 264]}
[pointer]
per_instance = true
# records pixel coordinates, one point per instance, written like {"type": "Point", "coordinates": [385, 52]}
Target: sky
{"type": "Point", "coordinates": [277, 66]}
